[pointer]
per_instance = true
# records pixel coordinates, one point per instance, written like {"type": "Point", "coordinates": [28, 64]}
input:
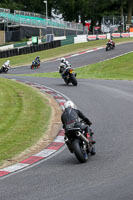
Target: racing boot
{"type": "Point", "coordinates": [93, 150]}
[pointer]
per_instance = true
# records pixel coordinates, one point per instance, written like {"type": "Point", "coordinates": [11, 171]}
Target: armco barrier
{"type": "Point", "coordinates": [104, 36]}
{"type": "Point", "coordinates": [29, 49]}
{"type": "Point", "coordinates": [92, 37]}
{"type": "Point", "coordinates": [101, 37]}
{"type": "Point", "coordinates": [125, 34]}
{"type": "Point", "coordinates": [67, 42]}
{"type": "Point", "coordinates": [116, 35]}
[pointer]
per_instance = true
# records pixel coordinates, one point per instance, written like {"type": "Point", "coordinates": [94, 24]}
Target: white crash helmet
{"type": "Point", "coordinates": [63, 59]}
{"type": "Point", "coordinates": [69, 104]}
{"type": "Point", "coordinates": [8, 61]}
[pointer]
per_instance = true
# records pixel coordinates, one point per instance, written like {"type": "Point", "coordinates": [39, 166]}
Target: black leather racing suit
{"type": "Point", "coordinates": [71, 115]}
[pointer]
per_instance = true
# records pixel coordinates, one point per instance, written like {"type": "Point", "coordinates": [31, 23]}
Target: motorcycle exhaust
{"type": "Point", "coordinates": [82, 137]}
{"type": "Point", "coordinates": [65, 139]}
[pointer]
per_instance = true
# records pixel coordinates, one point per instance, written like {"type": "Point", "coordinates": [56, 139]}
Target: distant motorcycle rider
{"type": "Point", "coordinates": [110, 41]}
{"type": "Point", "coordinates": [63, 65]}
{"type": "Point", "coordinates": [37, 60]}
{"type": "Point", "coordinates": [6, 65]}
{"type": "Point", "coordinates": [73, 116]}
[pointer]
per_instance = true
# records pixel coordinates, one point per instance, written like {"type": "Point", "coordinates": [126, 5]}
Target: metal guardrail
{"type": "Point", "coordinates": [5, 10]}
{"type": "Point", "coordinates": [31, 14]}
{"type": "Point", "coordinates": [50, 21]}
{"type": "Point", "coordinates": [37, 20]}
{"type": "Point", "coordinates": [41, 23]}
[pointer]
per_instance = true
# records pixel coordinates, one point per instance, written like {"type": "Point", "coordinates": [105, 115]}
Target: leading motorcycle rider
{"type": "Point", "coordinates": [110, 41]}
{"type": "Point", "coordinates": [73, 116]}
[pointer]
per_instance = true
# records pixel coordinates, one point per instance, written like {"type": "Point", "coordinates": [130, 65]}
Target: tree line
{"type": "Point", "coordinates": [75, 10]}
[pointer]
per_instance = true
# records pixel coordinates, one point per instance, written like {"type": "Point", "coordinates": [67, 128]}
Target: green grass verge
{"type": "Point", "coordinates": [120, 68]}
{"type": "Point", "coordinates": [57, 52]}
{"type": "Point", "coordinates": [117, 68]}
{"type": "Point", "coordinates": [25, 116]}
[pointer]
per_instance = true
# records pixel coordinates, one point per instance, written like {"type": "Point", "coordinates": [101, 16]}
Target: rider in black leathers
{"type": "Point", "coordinates": [72, 115]}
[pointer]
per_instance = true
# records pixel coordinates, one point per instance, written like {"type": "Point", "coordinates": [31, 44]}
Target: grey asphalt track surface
{"type": "Point", "coordinates": [77, 61]}
{"type": "Point", "coordinates": [108, 174]}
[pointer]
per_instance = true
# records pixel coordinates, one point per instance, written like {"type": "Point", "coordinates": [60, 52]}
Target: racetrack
{"type": "Point", "coordinates": [109, 174]}
{"type": "Point", "coordinates": [77, 61]}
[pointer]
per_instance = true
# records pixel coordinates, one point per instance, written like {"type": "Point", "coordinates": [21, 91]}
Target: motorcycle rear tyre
{"type": "Point", "coordinates": [77, 149]}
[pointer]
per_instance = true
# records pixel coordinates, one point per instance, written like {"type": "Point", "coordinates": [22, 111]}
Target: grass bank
{"type": "Point", "coordinates": [120, 68]}
{"type": "Point", "coordinates": [117, 68]}
{"type": "Point", "coordinates": [58, 52]}
{"type": "Point", "coordinates": [25, 115]}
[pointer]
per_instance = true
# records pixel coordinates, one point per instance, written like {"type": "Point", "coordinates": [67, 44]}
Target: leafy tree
{"type": "Point", "coordinates": [129, 13]}
{"type": "Point", "coordinates": [73, 10]}
{"type": "Point", "coordinates": [126, 8]}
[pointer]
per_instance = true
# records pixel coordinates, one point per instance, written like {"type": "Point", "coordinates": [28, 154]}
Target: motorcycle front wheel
{"type": "Point", "coordinates": [32, 67]}
{"type": "Point", "coordinates": [66, 80]}
{"type": "Point", "coordinates": [80, 154]}
{"type": "Point", "coordinates": [107, 48]}
{"type": "Point", "coordinates": [38, 66]}
{"type": "Point", "coordinates": [74, 80]}
{"type": "Point", "coordinates": [6, 70]}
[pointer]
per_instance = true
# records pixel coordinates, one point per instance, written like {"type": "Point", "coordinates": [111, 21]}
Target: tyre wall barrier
{"type": "Point", "coordinates": [30, 49]}
{"type": "Point", "coordinates": [9, 53]}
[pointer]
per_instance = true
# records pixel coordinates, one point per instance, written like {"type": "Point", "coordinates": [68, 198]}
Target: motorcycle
{"type": "Point", "coordinates": [78, 144]}
{"type": "Point", "coordinates": [4, 69]}
{"type": "Point", "coordinates": [35, 65]}
{"type": "Point", "coordinates": [110, 46]}
{"type": "Point", "coordinates": [70, 76]}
